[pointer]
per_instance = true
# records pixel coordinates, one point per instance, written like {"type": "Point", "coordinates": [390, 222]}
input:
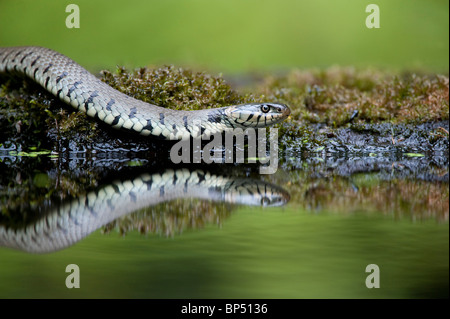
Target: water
{"type": "Point", "coordinates": [317, 245]}
{"type": "Point", "coordinates": [276, 253]}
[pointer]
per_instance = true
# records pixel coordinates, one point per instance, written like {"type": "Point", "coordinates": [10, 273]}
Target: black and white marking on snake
{"type": "Point", "coordinates": [73, 84]}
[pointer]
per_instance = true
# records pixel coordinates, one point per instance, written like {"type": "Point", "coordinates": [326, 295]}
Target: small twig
{"type": "Point", "coordinates": [396, 141]}
{"type": "Point", "coordinates": [443, 129]}
{"type": "Point", "coordinates": [440, 135]}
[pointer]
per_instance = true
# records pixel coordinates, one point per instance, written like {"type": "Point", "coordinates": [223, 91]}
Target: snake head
{"type": "Point", "coordinates": [253, 192]}
{"type": "Point", "coordinates": [257, 114]}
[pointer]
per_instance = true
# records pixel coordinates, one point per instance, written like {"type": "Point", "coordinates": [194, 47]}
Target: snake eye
{"type": "Point", "coordinates": [265, 108]}
{"type": "Point", "coordinates": [265, 201]}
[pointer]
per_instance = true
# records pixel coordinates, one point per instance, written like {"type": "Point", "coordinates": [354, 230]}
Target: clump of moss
{"type": "Point", "coordinates": [301, 138]}
{"type": "Point", "coordinates": [29, 115]}
{"type": "Point", "coordinates": [334, 96]}
{"type": "Point", "coordinates": [174, 88]}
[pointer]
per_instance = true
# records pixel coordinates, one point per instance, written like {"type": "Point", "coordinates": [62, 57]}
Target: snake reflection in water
{"type": "Point", "coordinates": [68, 223]}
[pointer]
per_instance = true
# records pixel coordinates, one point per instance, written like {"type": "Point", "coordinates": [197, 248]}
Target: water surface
{"type": "Point", "coordinates": [315, 245]}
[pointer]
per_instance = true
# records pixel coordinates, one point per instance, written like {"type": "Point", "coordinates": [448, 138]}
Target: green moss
{"type": "Point", "coordinates": [31, 116]}
{"type": "Point", "coordinates": [174, 88]}
{"type": "Point", "coordinates": [301, 138]}
{"type": "Point", "coordinates": [332, 97]}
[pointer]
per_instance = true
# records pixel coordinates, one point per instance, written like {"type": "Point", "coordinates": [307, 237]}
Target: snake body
{"type": "Point", "coordinates": [70, 222]}
{"type": "Point", "coordinates": [73, 84]}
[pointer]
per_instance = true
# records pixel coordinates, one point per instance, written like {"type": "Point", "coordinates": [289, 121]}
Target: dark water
{"type": "Point", "coordinates": [328, 222]}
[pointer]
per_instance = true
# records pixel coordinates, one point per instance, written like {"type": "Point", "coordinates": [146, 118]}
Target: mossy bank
{"type": "Point", "coordinates": [323, 104]}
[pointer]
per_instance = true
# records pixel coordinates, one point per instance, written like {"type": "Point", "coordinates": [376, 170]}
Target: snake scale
{"type": "Point", "coordinates": [64, 225]}
{"type": "Point", "coordinates": [74, 85]}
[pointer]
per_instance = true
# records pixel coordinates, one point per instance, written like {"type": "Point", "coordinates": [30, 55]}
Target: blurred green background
{"type": "Point", "coordinates": [236, 36]}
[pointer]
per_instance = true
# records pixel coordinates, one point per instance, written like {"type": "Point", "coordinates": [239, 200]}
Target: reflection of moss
{"type": "Point", "coordinates": [367, 193]}
{"type": "Point", "coordinates": [172, 218]}
{"type": "Point", "coordinates": [27, 189]}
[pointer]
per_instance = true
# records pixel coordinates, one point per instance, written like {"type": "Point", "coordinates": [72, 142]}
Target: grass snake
{"type": "Point", "coordinates": [74, 85]}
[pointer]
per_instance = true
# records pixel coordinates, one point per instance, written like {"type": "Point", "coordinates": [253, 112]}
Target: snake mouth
{"type": "Point", "coordinates": [286, 111]}
{"type": "Point", "coordinates": [283, 110]}
{"type": "Point", "coordinates": [278, 112]}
